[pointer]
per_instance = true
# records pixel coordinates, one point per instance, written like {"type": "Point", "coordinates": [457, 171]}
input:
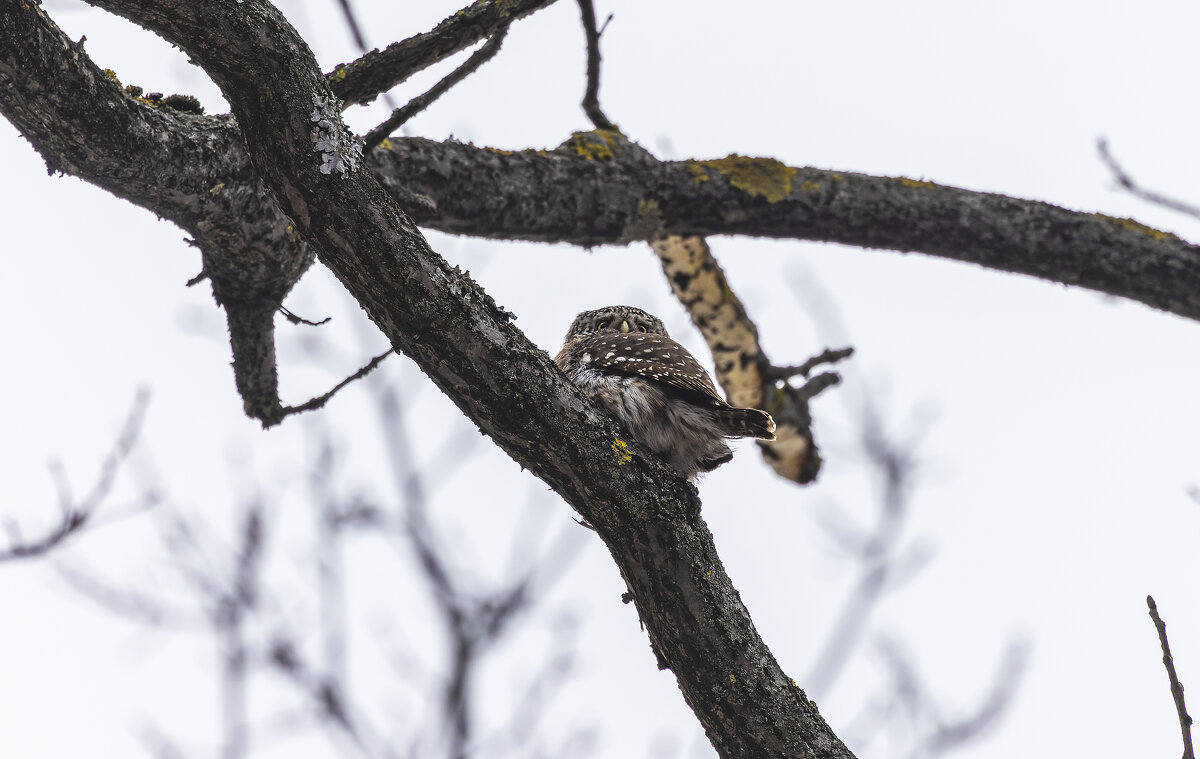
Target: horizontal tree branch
{"type": "Point", "coordinates": [599, 189]}
{"type": "Point", "coordinates": [595, 189]}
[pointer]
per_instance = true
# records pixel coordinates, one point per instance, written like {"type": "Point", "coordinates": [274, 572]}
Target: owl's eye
{"type": "Point", "coordinates": [642, 327]}
{"type": "Point", "coordinates": [602, 324]}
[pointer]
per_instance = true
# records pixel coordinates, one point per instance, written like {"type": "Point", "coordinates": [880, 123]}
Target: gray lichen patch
{"type": "Point", "coordinates": [341, 151]}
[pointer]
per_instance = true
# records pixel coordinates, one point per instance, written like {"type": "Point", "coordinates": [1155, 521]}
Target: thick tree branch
{"type": "Point", "coordinates": [380, 70]}
{"type": "Point", "coordinates": [73, 116]}
{"type": "Point", "coordinates": [646, 513]}
{"type": "Point", "coordinates": [589, 196]}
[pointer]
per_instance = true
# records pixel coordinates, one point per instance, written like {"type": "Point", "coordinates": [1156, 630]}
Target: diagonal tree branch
{"type": "Point", "coordinates": [421, 102]}
{"type": "Point", "coordinates": [743, 369]}
{"type": "Point", "coordinates": [1185, 720]}
{"type": "Point", "coordinates": [380, 70]}
{"type": "Point", "coordinates": [1133, 188]}
{"type": "Point", "coordinates": [75, 515]}
{"type": "Point", "coordinates": [646, 514]}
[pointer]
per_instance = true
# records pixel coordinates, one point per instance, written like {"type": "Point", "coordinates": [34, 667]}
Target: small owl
{"type": "Point", "coordinates": [622, 358]}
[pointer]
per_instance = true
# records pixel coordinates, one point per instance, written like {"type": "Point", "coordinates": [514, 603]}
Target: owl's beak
{"type": "Point", "coordinates": [624, 325]}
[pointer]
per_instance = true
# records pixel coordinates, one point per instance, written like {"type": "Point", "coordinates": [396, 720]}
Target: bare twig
{"type": "Point", "coordinates": [329, 701]}
{"type": "Point", "coordinates": [291, 317]}
{"type": "Point", "coordinates": [1185, 721]}
{"type": "Point", "coordinates": [877, 550]}
{"type": "Point", "coordinates": [380, 70]}
{"type": "Point", "coordinates": [591, 98]}
{"type": "Point", "coordinates": [424, 100]}
{"type": "Point", "coordinates": [1133, 188]}
{"type": "Point", "coordinates": [360, 39]}
{"type": "Point", "coordinates": [827, 356]}
{"type": "Point", "coordinates": [127, 604]}
{"type": "Point", "coordinates": [75, 515]}
{"type": "Point", "coordinates": [935, 731]}
{"type": "Point", "coordinates": [321, 400]}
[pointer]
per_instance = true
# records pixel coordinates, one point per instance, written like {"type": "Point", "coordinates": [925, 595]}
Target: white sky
{"type": "Point", "coordinates": [1053, 491]}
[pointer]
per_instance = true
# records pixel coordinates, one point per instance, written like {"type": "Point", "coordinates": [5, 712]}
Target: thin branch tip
{"type": "Point", "coordinates": [1185, 720]}
{"type": "Point", "coordinates": [591, 96]}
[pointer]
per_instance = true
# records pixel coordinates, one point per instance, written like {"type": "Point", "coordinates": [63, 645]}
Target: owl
{"type": "Point", "coordinates": [622, 358]}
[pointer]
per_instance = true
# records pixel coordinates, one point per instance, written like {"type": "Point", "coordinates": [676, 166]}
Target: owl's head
{"type": "Point", "coordinates": [616, 319]}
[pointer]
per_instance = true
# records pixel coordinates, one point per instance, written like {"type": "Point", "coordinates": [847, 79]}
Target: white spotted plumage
{"type": "Point", "coordinates": [623, 359]}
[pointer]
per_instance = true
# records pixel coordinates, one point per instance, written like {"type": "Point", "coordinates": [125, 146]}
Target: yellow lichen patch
{"type": "Point", "coordinates": [699, 173]}
{"type": "Point", "coordinates": [500, 151]}
{"type": "Point", "coordinates": [732, 679]}
{"type": "Point", "coordinates": [386, 144]}
{"type": "Point", "coordinates": [1136, 226]}
{"type": "Point", "coordinates": [811, 186]}
{"type": "Point", "coordinates": [916, 183]}
{"type": "Point", "coordinates": [649, 207]}
{"type": "Point", "coordinates": [757, 177]}
{"type": "Point", "coordinates": [339, 73]}
{"type": "Point", "coordinates": [621, 448]}
{"type": "Point", "coordinates": [215, 190]}
{"type": "Point", "coordinates": [596, 145]}
{"type": "Point", "coordinates": [793, 682]}
{"type": "Point", "coordinates": [112, 75]}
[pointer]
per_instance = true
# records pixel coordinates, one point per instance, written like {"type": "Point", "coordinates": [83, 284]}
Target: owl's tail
{"type": "Point", "coordinates": [746, 422]}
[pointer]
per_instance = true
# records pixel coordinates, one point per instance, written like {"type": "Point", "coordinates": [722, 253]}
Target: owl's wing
{"type": "Point", "coordinates": [653, 357]}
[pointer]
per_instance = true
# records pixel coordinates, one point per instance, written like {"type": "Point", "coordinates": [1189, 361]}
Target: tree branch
{"type": "Point", "coordinates": [75, 515]}
{"type": "Point", "coordinates": [591, 97]}
{"type": "Point", "coordinates": [743, 369]}
{"type": "Point", "coordinates": [424, 100]}
{"type": "Point", "coordinates": [590, 197]}
{"type": "Point", "coordinates": [1185, 721]}
{"type": "Point", "coordinates": [380, 70]}
{"type": "Point", "coordinates": [1133, 188]}
{"type": "Point", "coordinates": [645, 512]}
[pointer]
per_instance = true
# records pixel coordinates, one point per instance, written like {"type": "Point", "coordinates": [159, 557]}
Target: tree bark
{"type": "Point", "coordinates": [647, 515]}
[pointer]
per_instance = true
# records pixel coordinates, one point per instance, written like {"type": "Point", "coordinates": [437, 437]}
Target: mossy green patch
{"type": "Point", "coordinates": [757, 177]}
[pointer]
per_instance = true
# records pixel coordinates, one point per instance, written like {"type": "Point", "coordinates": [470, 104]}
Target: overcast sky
{"type": "Point", "coordinates": [1059, 426]}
